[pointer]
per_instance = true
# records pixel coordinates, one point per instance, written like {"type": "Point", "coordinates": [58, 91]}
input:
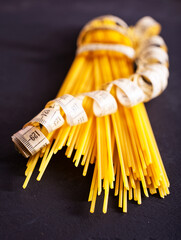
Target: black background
{"type": "Point", "coordinates": [37, 46]}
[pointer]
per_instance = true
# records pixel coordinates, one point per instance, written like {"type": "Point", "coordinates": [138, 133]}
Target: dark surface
{"type": "Point", "coordinates": [37, 46]}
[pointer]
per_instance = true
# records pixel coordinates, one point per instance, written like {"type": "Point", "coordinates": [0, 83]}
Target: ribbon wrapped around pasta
{"type": "Point", "coordinates": [149, 80]}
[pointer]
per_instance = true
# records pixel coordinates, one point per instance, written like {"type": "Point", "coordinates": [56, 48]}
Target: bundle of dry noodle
{"type": "Point", "coordinates": [99, 112]}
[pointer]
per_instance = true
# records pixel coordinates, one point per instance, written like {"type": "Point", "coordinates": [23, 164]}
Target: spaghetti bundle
{"type": "Point", "coordinates": [99, 112]}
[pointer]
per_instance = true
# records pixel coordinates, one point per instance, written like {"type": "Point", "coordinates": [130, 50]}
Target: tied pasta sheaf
{"type": "Point", "coordinates": [102, 92]}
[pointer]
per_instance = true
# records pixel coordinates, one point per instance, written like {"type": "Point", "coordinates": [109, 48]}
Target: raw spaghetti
{"type": "Point", "coordinates": [121, 144]}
